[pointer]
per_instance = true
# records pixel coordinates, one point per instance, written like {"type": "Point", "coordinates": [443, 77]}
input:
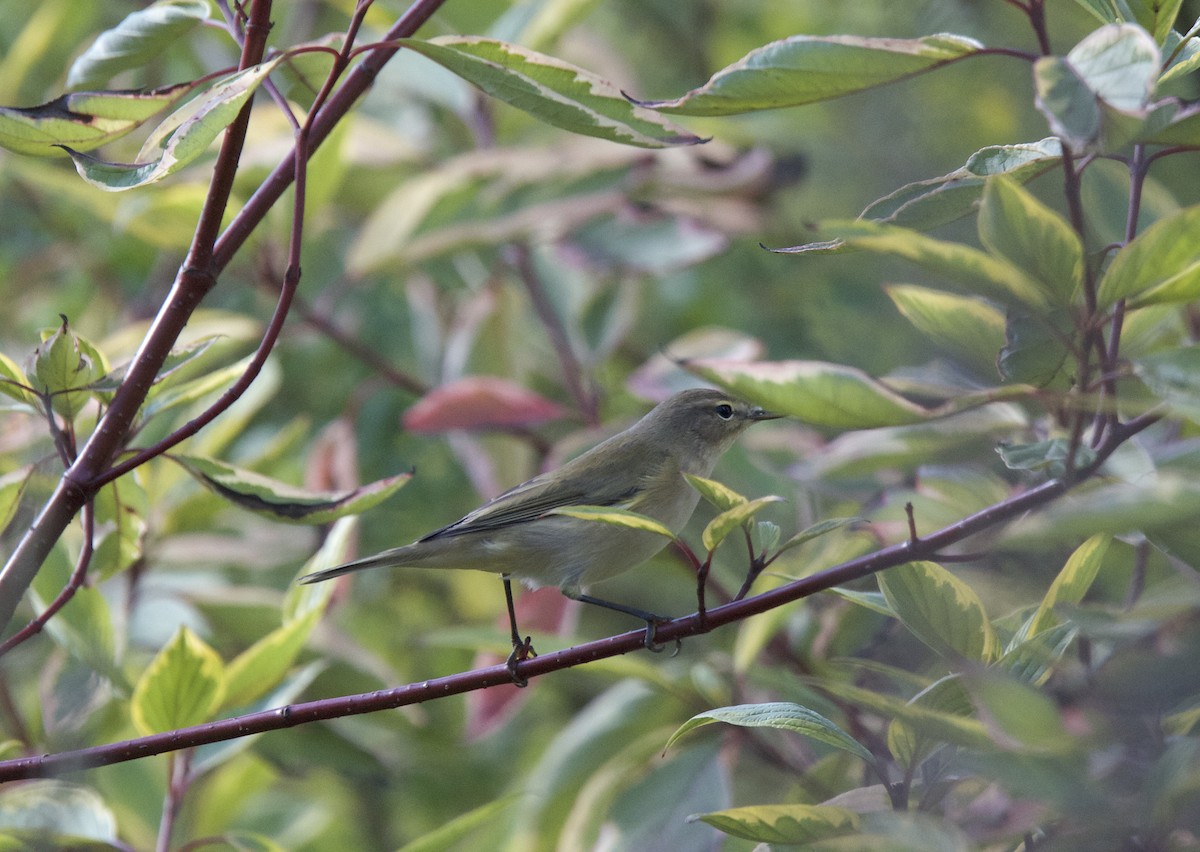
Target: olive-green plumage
{"type": "Point", "coordinates": [640, 469]}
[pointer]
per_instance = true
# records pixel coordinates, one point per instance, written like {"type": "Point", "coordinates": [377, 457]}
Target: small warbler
{"type": "Point", "coordinates": [640, 470]}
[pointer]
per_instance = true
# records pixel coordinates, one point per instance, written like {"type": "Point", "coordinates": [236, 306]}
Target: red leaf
{"type": "Point", "coordinates": [479, 402]}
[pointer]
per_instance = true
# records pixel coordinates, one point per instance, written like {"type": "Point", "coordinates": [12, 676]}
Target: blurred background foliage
{"type": "Point", "coordinates": [439, 225]}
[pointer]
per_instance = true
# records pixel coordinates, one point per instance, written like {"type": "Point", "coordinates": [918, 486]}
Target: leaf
{"type": "Point", "coordinates": [936, 201]}
{"type": "Point", "coordinates": [1036, 347]}
{"type": "Point", "coordinates": [818, 529]}
{"type": "Point", "coordinates": [783, 824]}
{"type": "Point", "coordinates": [1171, 376]}
{"type": "Point", "coordinates": [781, 715]}
{"type": "Point", "coordinates": [1071, 584]}
{"type": "Point", "coordinates": [303, 598]}
{"type": "Point", "coordinates": [140, 37]}
{"type": "Point", "coordinates": [14, 383]}
{"type": "Point", "coordinates": [121, 510]}
{"type": "Point", "coordinates": [1032, 660]}
{"type": "Point", "coordinates": [1049, 456]}
{"type": "Point", "coordinates": [1096, 96]}
{"type": "Point", "coordinates": [805, 69]}
{"type": "Point", "coordinates": [12, 486]}
{"type": "Point", "coordinates": [64, 365]}
{"type": "Point", "coordinates": [182, 136]}
{"type": "Point", "coordinates": [262, 666]}
{"type": "Point", "coordinates": [459, 830]}
{"type": "Point", "coordinates": [854, 454]}
{"type": "Point", "coordinates": [479, 402]}
{"type": "Point", "coordinates": [938, 724]}
{"type": "Point", "coordinates": [1161, 265]}
{"type": "Point", "coordinates": [551, 90]}
{"type": "Point", "coordinates": [940, 610]}
{"type": "Point", "coordinates": [817, 392]}
{"type": "Point", "coordinates": [723, 524]}
{"type": "Point", "coordinates": [1018, 715]}
{"type": "Point", "coordinates": [721, 496]}
{"type": "Point", "coordinates": [965, 325]}
{"type": "Point", "coordinates": [1185, 53]}
{"type": "Point", "coordinates": [615, 517]}
{"type": "Point", "coordinates": [181, 687]}
{"type": "Point", "coordinates": [283, 502]}
{"type": "Point", "coordinates": [874, 601]}
{"type": "Point", "coordinates": [82, 120]}
{"type": "Point", "coordinates": [946, 696]}
{"type": "Point", "coordinates": [1017, 227]}
{"type": "Point", "coordinates": [66, 811]}
{"type": "Point", "coordinates": [964, 267]}
{"type": "Point", "coordinates": [171, 394]}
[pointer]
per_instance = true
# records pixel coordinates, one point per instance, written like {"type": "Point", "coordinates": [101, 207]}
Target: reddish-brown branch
{"type": "Point", "coordinates": [50, 765]}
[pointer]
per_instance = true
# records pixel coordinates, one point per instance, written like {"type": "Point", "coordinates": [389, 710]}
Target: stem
{"type": "Point", "coordinates": [207, 257]}
{"type": "Point", "coordinates": [572, 370]}
{"type": "Point", "coordinates": [49, 765]}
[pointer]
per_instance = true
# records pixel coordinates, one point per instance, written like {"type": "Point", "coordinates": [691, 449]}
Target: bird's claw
{"type": "Point", "coordinates": [653, 646]}
{"type": "Point", "coordinates": [521, 652]}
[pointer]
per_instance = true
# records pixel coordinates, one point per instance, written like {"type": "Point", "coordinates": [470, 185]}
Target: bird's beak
{"type": "Point", "coordinates": [757, 414]}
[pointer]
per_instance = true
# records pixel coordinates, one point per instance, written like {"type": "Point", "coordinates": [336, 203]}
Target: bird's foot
{"type": "Point", "coordinates": [653, 646]}
{"type": "Point", "coordinates": [521, 652]}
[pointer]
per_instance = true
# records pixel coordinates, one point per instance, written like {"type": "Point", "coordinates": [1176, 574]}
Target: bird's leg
{"type": "Point", "coordinates": [522, 648]}
{"type": "Point", "coordinates": [650, 618]}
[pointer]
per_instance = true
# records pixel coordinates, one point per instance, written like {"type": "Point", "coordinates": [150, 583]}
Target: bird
{"type": "Point", "coordinates": [640, 470]}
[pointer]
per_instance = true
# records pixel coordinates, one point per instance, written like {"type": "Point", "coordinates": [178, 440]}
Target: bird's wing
{"type": "Point", "coordinates": [573, 484]}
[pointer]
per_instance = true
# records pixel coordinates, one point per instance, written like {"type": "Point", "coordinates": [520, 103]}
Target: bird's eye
{"type": "Point", "coordinates": [724, 411]}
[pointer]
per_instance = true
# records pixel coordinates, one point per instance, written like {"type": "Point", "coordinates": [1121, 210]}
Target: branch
{"type": "Point", "coordinates": [196, 277]}
{"type": "Point", "coordinates": [207, 257]}
{"type": "Point", "coordinates": [51, 765]}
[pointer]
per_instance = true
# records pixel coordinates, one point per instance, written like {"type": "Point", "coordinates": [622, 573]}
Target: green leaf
{"type": "Point", "coordinates": [1161, 265]}
{"type": "Point", "coordinates": [728, 521]}
{"type": "Point", "coordinates": [121, 510]}
{"type": "Point", "coordinates": [83, 627]}
{"type": "Point", "coordinates": [780, 715]}
{"type": "Point", "coordinates": [1156, 16]}
{"type": "Point", "coordinates": [12, 486]}
{"type": "Point", "coordinates": [283, 502]}
{"type": "Point", "coordinates": [1095, 95]}
{"type": "Point", "coordinates": [965, 325]}
{"type": "Point", "coordinates": [907, 447]}
{"type": "Point", "coordinates": [453, 834]}
{"type": "Point", "coordinates": [83, 120]}
{"type": "Point", "coordinates": [14, 383]}
{"type": "Point", "coordinates": [1071, 584]}
{"type": "Point", "coordinates": [262, 666]}
{"type": "Point", "coordinates": [940, 609]}
{"type": "Point", "coordinates": [937, 724]}
{"type": "Point", "coordinates": [551, 90]}
{"type": "Point", "coordinates": [1185, 53]}
{"type": "Point", "coordinates": [946, 696]}
{"type": "Point", "coordinates": [173, 394]}
{"type": "Point", "coordinates": [964, 267]}
{"type": "Point", "coordinates": [615, 517]}
{"type": "Point", "coordinates": [1173, 378]}
{"type": "Point", "coordinates": [1030, 236]}
{"type": "Point", "coordinates": [1049, 456]}
{"type": "Point", "coordinates": [874, 601]}
{"type": "Point", "coordinates": [805, 69]}
{"type": "Point", "coordinates": [303, 598]}
{"type": "Point", "coordinates": [71, 811]}
{"type": "Point", "coordinates": [1032, 660]}
{"type": "Point", "coordinates": [1018, 715]}
{"type": "Point", "coordinates": [784, 824]}
{"type": "Point", "coordinates": [817, 392]}
{"type": "Point", "coordinates": [183, 135]}
{"type": "Point", "coordinates": [63, 367]}
{"type": "Point", "coordinates": [140, 37]}
{"type": "Point", "coordinates": [181, 687]}
{"type": "Point", "coordinates": [936, 201]}
{"type": "Point", "coordinates": [721, 496]}
{"type": "Point", "coordinates": [1035, 347]}
{"type": "Point", "coordinates": [816, 530]}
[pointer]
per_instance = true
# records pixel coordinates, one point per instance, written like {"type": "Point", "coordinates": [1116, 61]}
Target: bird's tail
{"type": "Point", "coordinates": [389, 558]}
